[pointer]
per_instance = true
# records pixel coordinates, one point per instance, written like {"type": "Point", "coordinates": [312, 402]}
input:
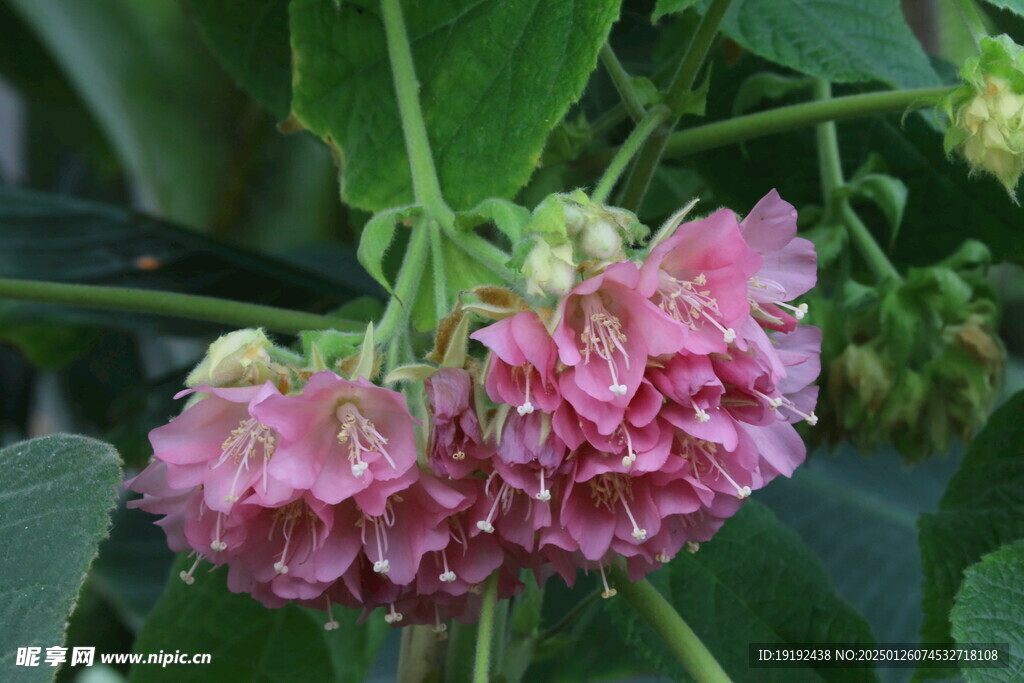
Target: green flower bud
{"type": "Point", "coordinates": [601, 239]}
{"type": "Point", "coordinates": [235, 359]}
{"type": "Point", "coordinates": [549, 269]}
{"type": "Point", "coordinates": [987, 112]}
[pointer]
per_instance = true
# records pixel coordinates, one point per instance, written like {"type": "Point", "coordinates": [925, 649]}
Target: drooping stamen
{"type": "Point", "coordinates": [544, 493]}
{"type": "Point", "coordinates": [447, 576]}
{"type": "Point", "coordinates": [638, 533]}
{"type": "Point", "coordinates": [608, 591]}
{"type": "Point", "coordinates": [187, 576]}
{"type": "Point", "coordinates": [241, 445]}
{"type": "Point", "coordinates": [362, 437]}
{"type": "Point", "coordinates": [692, 547]}
{"type": "Point", "coordinates": [602, 335]}
{"type": "Point", "coordinates": [440, 630]}
{"type": "Point", "coordinates": [699, 413]}
{"type": "Point", "coordinates": [798, 311]}
{"type": "Point", "coordinates": [331, 624]}
{"type": "Point", "coordinates": [630, 457]}
{"type": "Point", "coordinates": [773, 403]}
{"type": "Point", "coordinates": [741, 491]}
{"type": "Point", "coordinates": [381, 566]}
{"type": "Point", "coordinates": [607, 489]}
{"type": "Point", "coordinates": [662, 557]}
{"type": "Point", "coordinates": [217, 545]}
{"type": "Point", "coordinates": [810, 418]}
{"type": "Point", "coordinates": [527, 407]}
{"type": "Point", "coordinates": [291, 515]}
{"type": "Point", "coordinates": [392, 617]}
{"type": "Point", "coordinates": [485, 524]}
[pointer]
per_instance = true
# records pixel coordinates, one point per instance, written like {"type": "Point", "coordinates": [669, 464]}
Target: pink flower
{"type": "Point", "coordinates": [220, 443]}
{"type": "Point", "coordinates": [341, 438]}
{"type": "Point", "coordinates": [698, 277]}
{"type": "Point", "coordinates": [606, 331]}
{"type": "Point", "coordinates": [522, 371]}
{"type": "Point", "coordinates": [790, 264]}
{"type": "Point", "coordinates": [457, 447]}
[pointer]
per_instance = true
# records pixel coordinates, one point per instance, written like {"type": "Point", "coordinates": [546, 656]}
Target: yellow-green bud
{"type": "Point", "coordinates": [234, 359]}
{"type": "Point", "coordinates": [601, 239]}
{"type": "Point", "coordinates": [549, 269]}
{"type": "Point", "coordinates": [987, 112]}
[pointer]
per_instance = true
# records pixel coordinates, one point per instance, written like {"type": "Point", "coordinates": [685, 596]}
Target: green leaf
{"type": "Point", "coordinates": [767, 85]}
{"type": "Point", "coordinates": [55, 500]}
{"type": "Point", "coordinates": [248, 641]}
{"type": "Point", "coordinates": [755, 582]}
{"type": "Point", "coordinates": [510, 218]}
{"type": "Point", "coordinates": [858, 514]}
{"type": "Point", "coordinates": [250, 38]}
{"type": "Point", "coordinates": [885, 191]}
{"type": "Point", "coordinates": [496, 77]}
{"type": "Point", "coordinates": [982, 509]}
{"type": "Point", "coordinates": [664, 7]}
{"type": "Point", "coordinates": [990, 609]}
{"type": "Point", "coordinates": [1015, 6]}
{"type": "Point", "coordinates": [378, 233]}
{"type": "Point", "coordinates": [845, 41]}
{"type": "Point", "coordinates": [155, 92]}
{"type": "Point", "coordinates": [51, 237]}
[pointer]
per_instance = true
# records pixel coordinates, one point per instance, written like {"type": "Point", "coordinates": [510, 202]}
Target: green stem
{"type": "Point", "coordinates": [829, 162]}
{"type": "Point", "coordinates": [648, 124]}
{"type": "Point", "coordinates": [440, 279]}
{"type": "Point", "coordinates": [223, 311]}
{"type": "Point", "coordinates": [623, 83]}
{"type": "Point", "coordinates": [485, 631]}
{"type": "Point", "coordinates": [797, 116]}
{"type": "Point", "coordinates": [674, 632]}
{"type": "Point", "coordinates": [972, 18]}
{"type": "Point", "coordinates": [425, 184]}
{"type": "Point", "coordinates": [410, 278]}
{"type": "Point", "coordinates": [678, 90]}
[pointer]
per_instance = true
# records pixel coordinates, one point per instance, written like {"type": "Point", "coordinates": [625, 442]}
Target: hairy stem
{"type": "Point", "coordinates": [623, 83]}
{"type": "Point", "coordinates": [829, 163]}
{"type": "Point", "coordinates": [680, 87]}
{"type": "Point", "coordinates": [224, 311]}
{"type": "Point", "coordinates": [426, 186]}
{"type": "Point", "coordinates": [674, 632]}
{"type": "Point", "coordinates": [410, 278]}
{"type": "Point", "coordinates": [485, 631]}
{"type": "Point", "coordinates": [648, 124]}
{"type": "Point", "coordinates": [972, 18]}
{"type": "Point", "coordinates": [797, 116]}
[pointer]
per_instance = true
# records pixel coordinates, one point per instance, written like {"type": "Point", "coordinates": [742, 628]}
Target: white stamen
{"type": "Point", "coordinates": [331, 624]}
{"type": "Point", "coordinates": [608, 592]}
{"type": "Point", "coordinates": [240, 446]}
{"type": "Point", "coordinates": [798, 311]}
{"type": "Point", "coordinates": [525, 409]}
{"type": "Point", "coordinates": [187, 576]}
{"type": "Point", "coordinates": [544, 493]}
{"type": "Point", "coordinates": [699, 413]}
{"type": "Point", "coordinates": [361, 436]}
{"type": "Point", "coordinates": [447, 577]}
{"type": "Point", "coordinates": [280, 567]}
{"type": "Point", "coordinates": [382, 566]}
{"type": "Point", "coordinates": [393, 617]}
{"type": "Point", "coordinates": [485, 526]}
{"type": "Point", "coordinates": [638, 533]}
{"type": "Point", "coordinates": [662, 557]}
{"type": "Point", "coordinates": [692, 547]}
{"type": "Point", "coordinates": [359, 469]}
{"type": "Point", "coordinates": [617, 389]}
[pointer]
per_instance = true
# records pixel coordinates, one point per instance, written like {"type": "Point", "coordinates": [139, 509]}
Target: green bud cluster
{"type": "Point", "coordinates": [567, 231]}
{"type": "Point", "coordinates": [917, 362]}
{"type": "Point", "coordinates": [986, 113]}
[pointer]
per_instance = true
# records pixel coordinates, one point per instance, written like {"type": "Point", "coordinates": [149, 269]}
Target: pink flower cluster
{"type": "Point", "coordinates": [637, 419]}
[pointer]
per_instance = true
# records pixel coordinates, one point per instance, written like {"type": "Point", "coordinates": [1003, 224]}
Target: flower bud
{"type": "Point", "coordinates": [549, 269]}
{"type": "Point", "coordinates": [601, 240]}
{"type": "Point", "coordinates": [233, 360]}
{"type": "Point", "coordinates": [987, 112]}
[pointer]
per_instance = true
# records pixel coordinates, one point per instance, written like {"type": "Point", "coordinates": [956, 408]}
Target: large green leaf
{"type": "Point", "coordinates": [845, 41]}
{"type": "Point", "coordinates": [990, 609]}
{"type": "Point", "coordinates": [496, 76]}
{"type": "Point", "coordinates": [49, 237]}
{"type": "Point", "coordinates": [983, 508]}
{"type": "Point", "coordinates": [755, 582]}
{"type": "Point", "coordinates": [248, 641]}
{"type": "Point", "coordinates": [158, 97]}
{"type": "Point", "coordinates": [1015, 6]}
{"type": "Point", "coordinates": [55, 498]}
{"type": "Point", "coordinates": [250, 38]}
{"type": "Point", "coordinates": [858, 513]}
